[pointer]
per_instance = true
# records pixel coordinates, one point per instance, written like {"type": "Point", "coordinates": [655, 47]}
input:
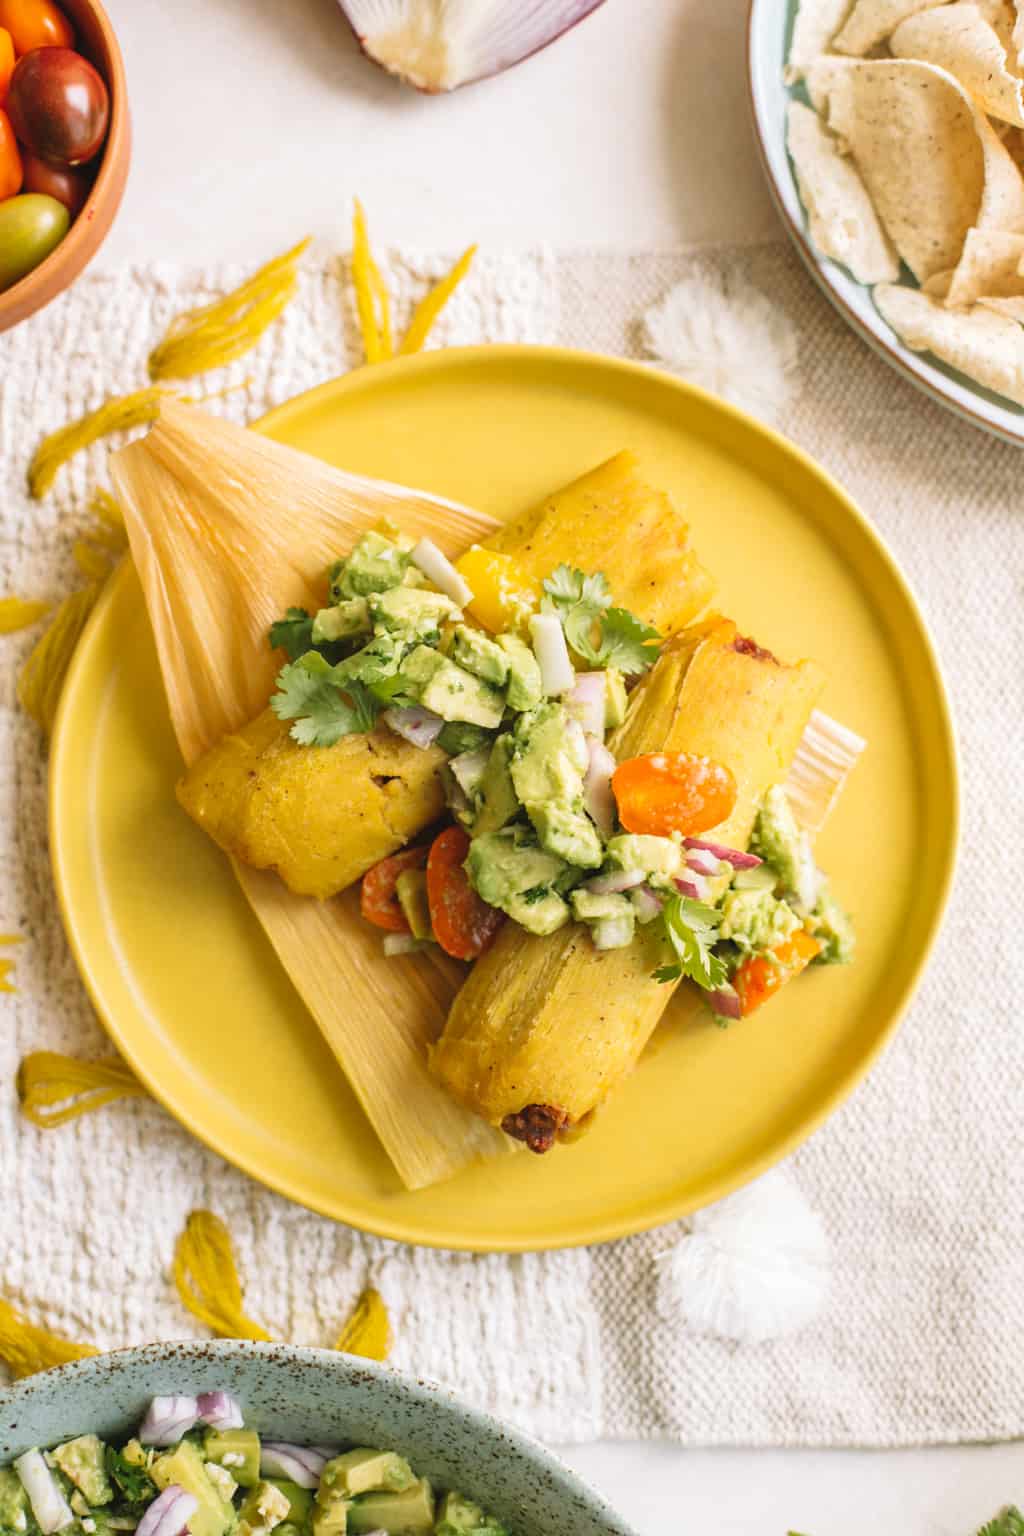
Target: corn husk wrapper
{"type": "Point", "coordinates": [959, 39]}
{"type": "Point", "coordinates": [817, 22]}
{"type": "Point", "coordinates": [841, 216]}
{"type": "Point", "coordinates": [870, 22]}
{"type": "Point", "coordinates": [227, 530]}
{"type": "Point", "coordinates": [986, 345]}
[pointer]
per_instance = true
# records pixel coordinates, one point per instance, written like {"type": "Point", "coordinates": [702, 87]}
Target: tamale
{"type": "Point", "coordinates": [320, 816]}
{"type": "Point", "coordinates": [544, 1028]}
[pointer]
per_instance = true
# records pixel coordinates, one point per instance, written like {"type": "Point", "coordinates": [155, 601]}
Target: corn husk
{"type": "Point", "coordinates": [827, 753]}
{"type": "Point", "coordinates": [228, 529]}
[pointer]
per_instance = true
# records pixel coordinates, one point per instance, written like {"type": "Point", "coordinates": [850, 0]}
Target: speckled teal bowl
{"type": "Point", "coordinates": [317, 1396]}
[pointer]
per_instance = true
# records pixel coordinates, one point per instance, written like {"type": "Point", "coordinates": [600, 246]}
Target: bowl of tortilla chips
{"type": "Point", "coordinates": [892, 133]}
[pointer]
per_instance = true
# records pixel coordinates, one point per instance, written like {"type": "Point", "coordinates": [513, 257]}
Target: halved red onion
{"type": "Point", "coordinates": [731, 856]}
{"type": "Point", "coordinates": [614, 881]}
{"type": "Point", "coordinates": [301, 1464]}
{"type": "Point", "coordinates": [552, 653]}
{"type": "Point", "coordinates": [49, 1505]}
{"type": "Point", "coordinates": [597, 787]}
{"type": "Point", "coordinates": [220, 1410]}
{"type": "Point", "coordinates": [400, 944]}
{"type": "Point", "coordinates": [695, 886]}
{"type": "Point", "coordinates": [586, 702]}
{"type": "Point", "coordinates": [169, 1513]}
{"type": "Point", "coordinates": [647, 904]}
{"type": "Point", "coordinates": [440, 47]}
{"type": "Point", "coordinates": [414, 723]}
{"type": "Point", "coordinates": [167, 1419]}
{"type": "Point", "coordinates": [725, 1000]}
{"type": "Point", "coordinates": [702, 862]}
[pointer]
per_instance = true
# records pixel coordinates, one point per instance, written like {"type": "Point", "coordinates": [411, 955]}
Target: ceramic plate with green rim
{"type": "Point", "coordinates": [195, 998]}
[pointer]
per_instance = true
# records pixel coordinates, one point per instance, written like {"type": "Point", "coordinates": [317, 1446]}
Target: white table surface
{"type": "Point", "coordinates": [256, 121]}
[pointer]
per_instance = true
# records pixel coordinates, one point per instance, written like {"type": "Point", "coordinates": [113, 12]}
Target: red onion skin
{"type": "Point", "coordinates": [647, 899]}
{"type": "Point", "coordinates": [615, 882]}
{"type": "Point", "coordinates": [696, 889]}
{"type": "Point", "coordinates": [167, 1419]}
{"type": "Point", "coordinates": [731, 856]}
{"type": "Point", "coordinates": [169, 1513]}
{"type": "Point", "coordinates": [415, 724]}
{"type": "Point", "coordinates": [725, 1001]}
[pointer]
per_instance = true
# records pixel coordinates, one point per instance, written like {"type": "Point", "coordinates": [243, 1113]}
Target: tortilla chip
{"type": "Point", "coordinates": [931, 162]}
{"type": "Point", "coordinates": [1012, 308]}
{"type": "Point", "coordinates": [872, 21]}
{"type": "Point", "coordinates": [840, 215]}
{"type": "Point", "coordinates": [989, 266]}
{"type": "Point", "coordinates": [938, 284]}
{"type": "Point", "coordinates": [958, 38]}
{"type": "Point", "coordinates": [817, 22]}
{"type": "Point", "coordinates": [986, 346]}
{"type": "Point", "coordinates": [1018, 31]}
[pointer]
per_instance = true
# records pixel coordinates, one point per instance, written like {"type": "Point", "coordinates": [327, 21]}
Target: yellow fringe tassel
{"type": "Point", "coordinates": [368, 1331]}
{"type": "Point", "coordinates": [428, 309]}
{"type": "Point", "coordinates": [53, 1089]}
{"type": "Point", "coordinates": [207, 1279]}
{"type": "Point", "coordinates": [371, 293]}
{"type": "Point", "coordinates": [20, 612]}
{"type": "Point", "coordinates": [42, 676]}
{"type": "Point", "coordinates": [217, 333]}
{"type": "Point", "coordinates": [25, 1349]}
{"type": "Point", "coordinates": [135, 410]}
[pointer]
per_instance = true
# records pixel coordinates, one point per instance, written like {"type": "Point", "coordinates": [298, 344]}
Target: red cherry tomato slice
{"type": "Point", "coordinates": [463, 924]}
{"type": "Point", "coordinates": [7, 58]}
{"type": "Point", "coordinates": [666, 792]}
{"type": "Point", "coordinates": [36, 24]}
{"type": "Point", "coordinates": [760, 977]}
{"type": "Point", "coordinates": [11, 170]}
{"type": "Point", "coordinates": [378, 898]}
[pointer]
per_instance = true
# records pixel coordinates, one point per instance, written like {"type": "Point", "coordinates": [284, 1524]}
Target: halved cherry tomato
{"type": "Point", "coordinates": [12, 173]}
{"type": "Point", "coordinates": [760, 977]}
{"type": "Point", "coordinates": [7, 59]}
{"type": "Point", "coordinates": [665, 792]}
{"type": "Point", "coordinates": [463, 924]}
{"type": "Point", "coordinates": [378, 898]}
{"type": "Point", "coordinates": [36, 24]}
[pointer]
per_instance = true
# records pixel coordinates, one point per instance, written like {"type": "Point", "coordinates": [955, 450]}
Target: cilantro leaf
{"type": "Point", "coordinates": [293, 634]}
{"type": "Point", "coordinates": [627, 642]}
{"type": "Point", "coordinates": [604, 636]}
{"type": "Point", "coordinates": [567, 586]}
{"type": "Point", "coordinates": [323, 707]}
{"type": "Point", "coordinates": [133, 1483]}
{"type": "Point", "coordinates": [691, 928]}
{"type": "Point", "coordinates": [1009, 1522]}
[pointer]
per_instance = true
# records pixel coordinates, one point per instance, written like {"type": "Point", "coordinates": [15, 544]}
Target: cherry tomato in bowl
{"type": "Point", "coordinates": [59, 105]}
{"type": "Point", "coordinates": [7, 61]}
{"type": "Point", "coordinates": [36, 24]}
{"type": "Point", "coordinates": [12, 170]}
{"type": "Point", "coordinates": [67, 185]}
{"type": "Point", "coordinates": [31, 226]}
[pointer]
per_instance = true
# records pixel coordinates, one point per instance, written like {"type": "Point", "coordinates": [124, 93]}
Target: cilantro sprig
{"type": "Point", "coordinates": [603, 635]}
{"type": "Point", "coordinates": [324, 706]}
{"type": "Point", "coordinates": [691, 928]}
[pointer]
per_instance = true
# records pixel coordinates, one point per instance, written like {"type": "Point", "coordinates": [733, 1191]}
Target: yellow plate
{"type": "Point", "coordinates": [193, 995]}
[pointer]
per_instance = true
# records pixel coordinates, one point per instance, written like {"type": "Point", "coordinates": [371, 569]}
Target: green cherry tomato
{"type": "Point", "coordinates": [31, 226]}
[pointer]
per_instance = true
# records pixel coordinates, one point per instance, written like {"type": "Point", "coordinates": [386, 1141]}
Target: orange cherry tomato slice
{"type": "Point", "coordinates": [760, 977]}
{"type": "Point", "coordinates": [7, 61]}
{"type": "Point", "coordinates": [12, 173]}
{"type": "Point", "coordinates": [463, 924]}
{"type": "Point", "coordinates": [378, 896]}
{"type": "Point", "coordinates": [36, 24]}
{"type": "Point", "coordinates": [666, 792]}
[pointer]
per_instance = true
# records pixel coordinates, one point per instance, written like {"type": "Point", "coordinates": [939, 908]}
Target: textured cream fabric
{"type": "Point", "coordinates": [918, 1178]}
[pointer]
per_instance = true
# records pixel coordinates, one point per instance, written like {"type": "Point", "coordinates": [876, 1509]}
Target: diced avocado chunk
{"type": "Point", "coordinates": [236, 1449]}
{"type": "Point", "coordinates": [376, 564]}
{"type": "Point", "coordinates": [615, 698]}
{"type": "Point", "coordinates": [479, 655]}
{"type": "Point", "coordinates": [525, 689]}
{"type": "Point", "coordinates": [761, 878]}
{"type": "Point", "coordinates": [300, 1501]}
{"type": "Point", "coordinates": [832, 925]}
{"type": "Point", "coordinates": [567, 831]}
{"type": "Point", "coordinates": [411, 890]}
{"type": "Point", "coordinates": [81, 1461]}
{"type": "Point", "coordinates": [263, 1509]}
{"type": "Point", "coordinates": [641, 850]}
{"type": "Point", "coordinates": [549, 759]}
{"type": "Point", "coordinates": [782, 843]}
{"type": "Point", "coordinates": [756, 922]}
{"type": "Point", "coordinates": [342, 622]}
{"type": "Point", "coordinates": [455, 694]}
{"type": "Point", "coordinates": [589, 908]}
{"type": "Point", "coordinates": [495, 794]}
{"type": "Point", "coordinates": [539, 910]}
{"type": "Point", "coordinates": [184, 1465]}
{"type": "Point", "coordinates": [330, 1512]}
{"type": "Point", "coordinates": [15, 1513]}
{"type": "Point", "coordinates": [458, 1516]}
{"type": "Point", "coordinates": [368, 1471]}
{"type": "Point", "coordinates": [420, 665]}
{"type": "Point", "coordinates": [468, 769]}
{"type": "Point", "coordinates": [417, 612]}
{"type": "Point", "coordinates": [502, 864]}
{"type": "Point", "coordinates": [410, 1513]}
{"type": "Point", "coordinates": [458, 737]}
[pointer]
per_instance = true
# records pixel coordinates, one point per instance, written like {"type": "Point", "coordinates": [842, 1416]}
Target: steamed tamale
{"type": "Point", "coordinates": [321, 817]}
{"type": "Point", "coordinates": [544, 1028]}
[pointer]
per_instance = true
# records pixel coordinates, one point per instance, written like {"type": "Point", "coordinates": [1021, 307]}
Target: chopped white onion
{"type": "Point", "coordinates": [597, 788]}
{"type": "Point", "coordinates": [400, 944]}
{"type": "Point", "coordinates": [470, 767]}
{"type": "Point", "coordinates": [220, 1410]}
{"type": "Point", "coordinates": [725, 1000]}
{"type": "Point", "coordinates": [49, 1505]}
{"type": "Point", "coordinates": [731, 856]}
{"type": "Point", "coordinates": [300, 1464]}
{"type": "Point", "coordinates": [587, 702]}
{"type": "Point", "coordinates": [615, 881]}
{"type": "Point", "coordinates": [414, 723]}
{"type": "Point", "coordinates": [647, 904]}
{"type": "Point", "coordinates": [703, 862]}
{"type": "Point", "coordinates": [613, 932]}
{"type": "Point", "coordinates": [167, 1419]}
{"type": "Point", "coordinates": [552, 653]}
{"type": "Point", "coordinates": [169, 1513]}
{"type": "Point", "coordinates": [695, 886]}
{"type": "Point", "coordinates": [437, 568]}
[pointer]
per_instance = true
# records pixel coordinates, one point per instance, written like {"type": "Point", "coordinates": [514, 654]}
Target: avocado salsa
{"type": "Point", "coordinates": [548, 828]}
{"type": "Point", "coordinates": [194, 1467]}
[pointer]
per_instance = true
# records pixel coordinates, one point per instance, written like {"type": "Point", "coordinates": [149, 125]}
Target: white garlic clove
{"type": "Point", "coordinates": [437, 45]}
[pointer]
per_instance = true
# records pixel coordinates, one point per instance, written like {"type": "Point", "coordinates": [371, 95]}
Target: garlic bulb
{"type": "Point", "coordinates": [437, 45]}
{"type": "Point", "coordinates": [751, 1268]}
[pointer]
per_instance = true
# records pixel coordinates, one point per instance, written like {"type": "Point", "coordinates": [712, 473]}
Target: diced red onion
{"type": "Point", "coordinates": [437, 568]}
{"type": "Point", "coordinates": [220, 1410]}
{"type": "Point", "coordinates": [695, 886]}
{"type": "Point", "coordinates": [298, 1463]}
{"type": "Point", "coordinates": [400, 944]}
{"type": "Point", "coordinates": [167, 1419]}
{"type": "Point", "coordinates": [726, 1001]}
{"type": "Point", "coordinates": [646, 903]}
{"type": "Point", "coordinates": [731, 856]}
{"type": "Point", "coordinates": [469, 767]}
{"type": "Point", "coordinates": [169, 1513]}
{"type": "Point", "coordinates": [615, 881]}
{"type": "Point", "coordinates": [597, 788]}
{"type": "Point", "coordinates": [49, 1505]}
{"type": "Point", "coordinates": [613, 932]}
{"type": "Point", "coordinates": [702, 862]}
{"type": "Point", "coordinates": [552, 653]}
{"type": "Point", "coordinates": [414, 723]}
{"type": "Point", "coordinates": [586, 701]}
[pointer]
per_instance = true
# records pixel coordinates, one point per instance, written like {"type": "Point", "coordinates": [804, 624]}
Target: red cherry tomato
{"type": "Point", "coordinates": [760, 977]}
{"type": "Point", "coordinates": [59, 105]}
{"type": "Point", "coordinates": [666, 792]}
{"type": "Point", "coordinates": [463, 924]}
{"type": "Point", "coordinates": [378, 897]}
{"type": "Point", "coordinates": [11, 170]}
{"type": "Point", "coordinates": [36, 24]}
{"type": "Point", "coordinates": [68, 186]}
{"type": "Point", "coordinates": [7, 57]}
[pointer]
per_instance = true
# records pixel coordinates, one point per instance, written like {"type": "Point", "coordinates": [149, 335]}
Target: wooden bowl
{"type": "Point", "coordinates": [96, 40]}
